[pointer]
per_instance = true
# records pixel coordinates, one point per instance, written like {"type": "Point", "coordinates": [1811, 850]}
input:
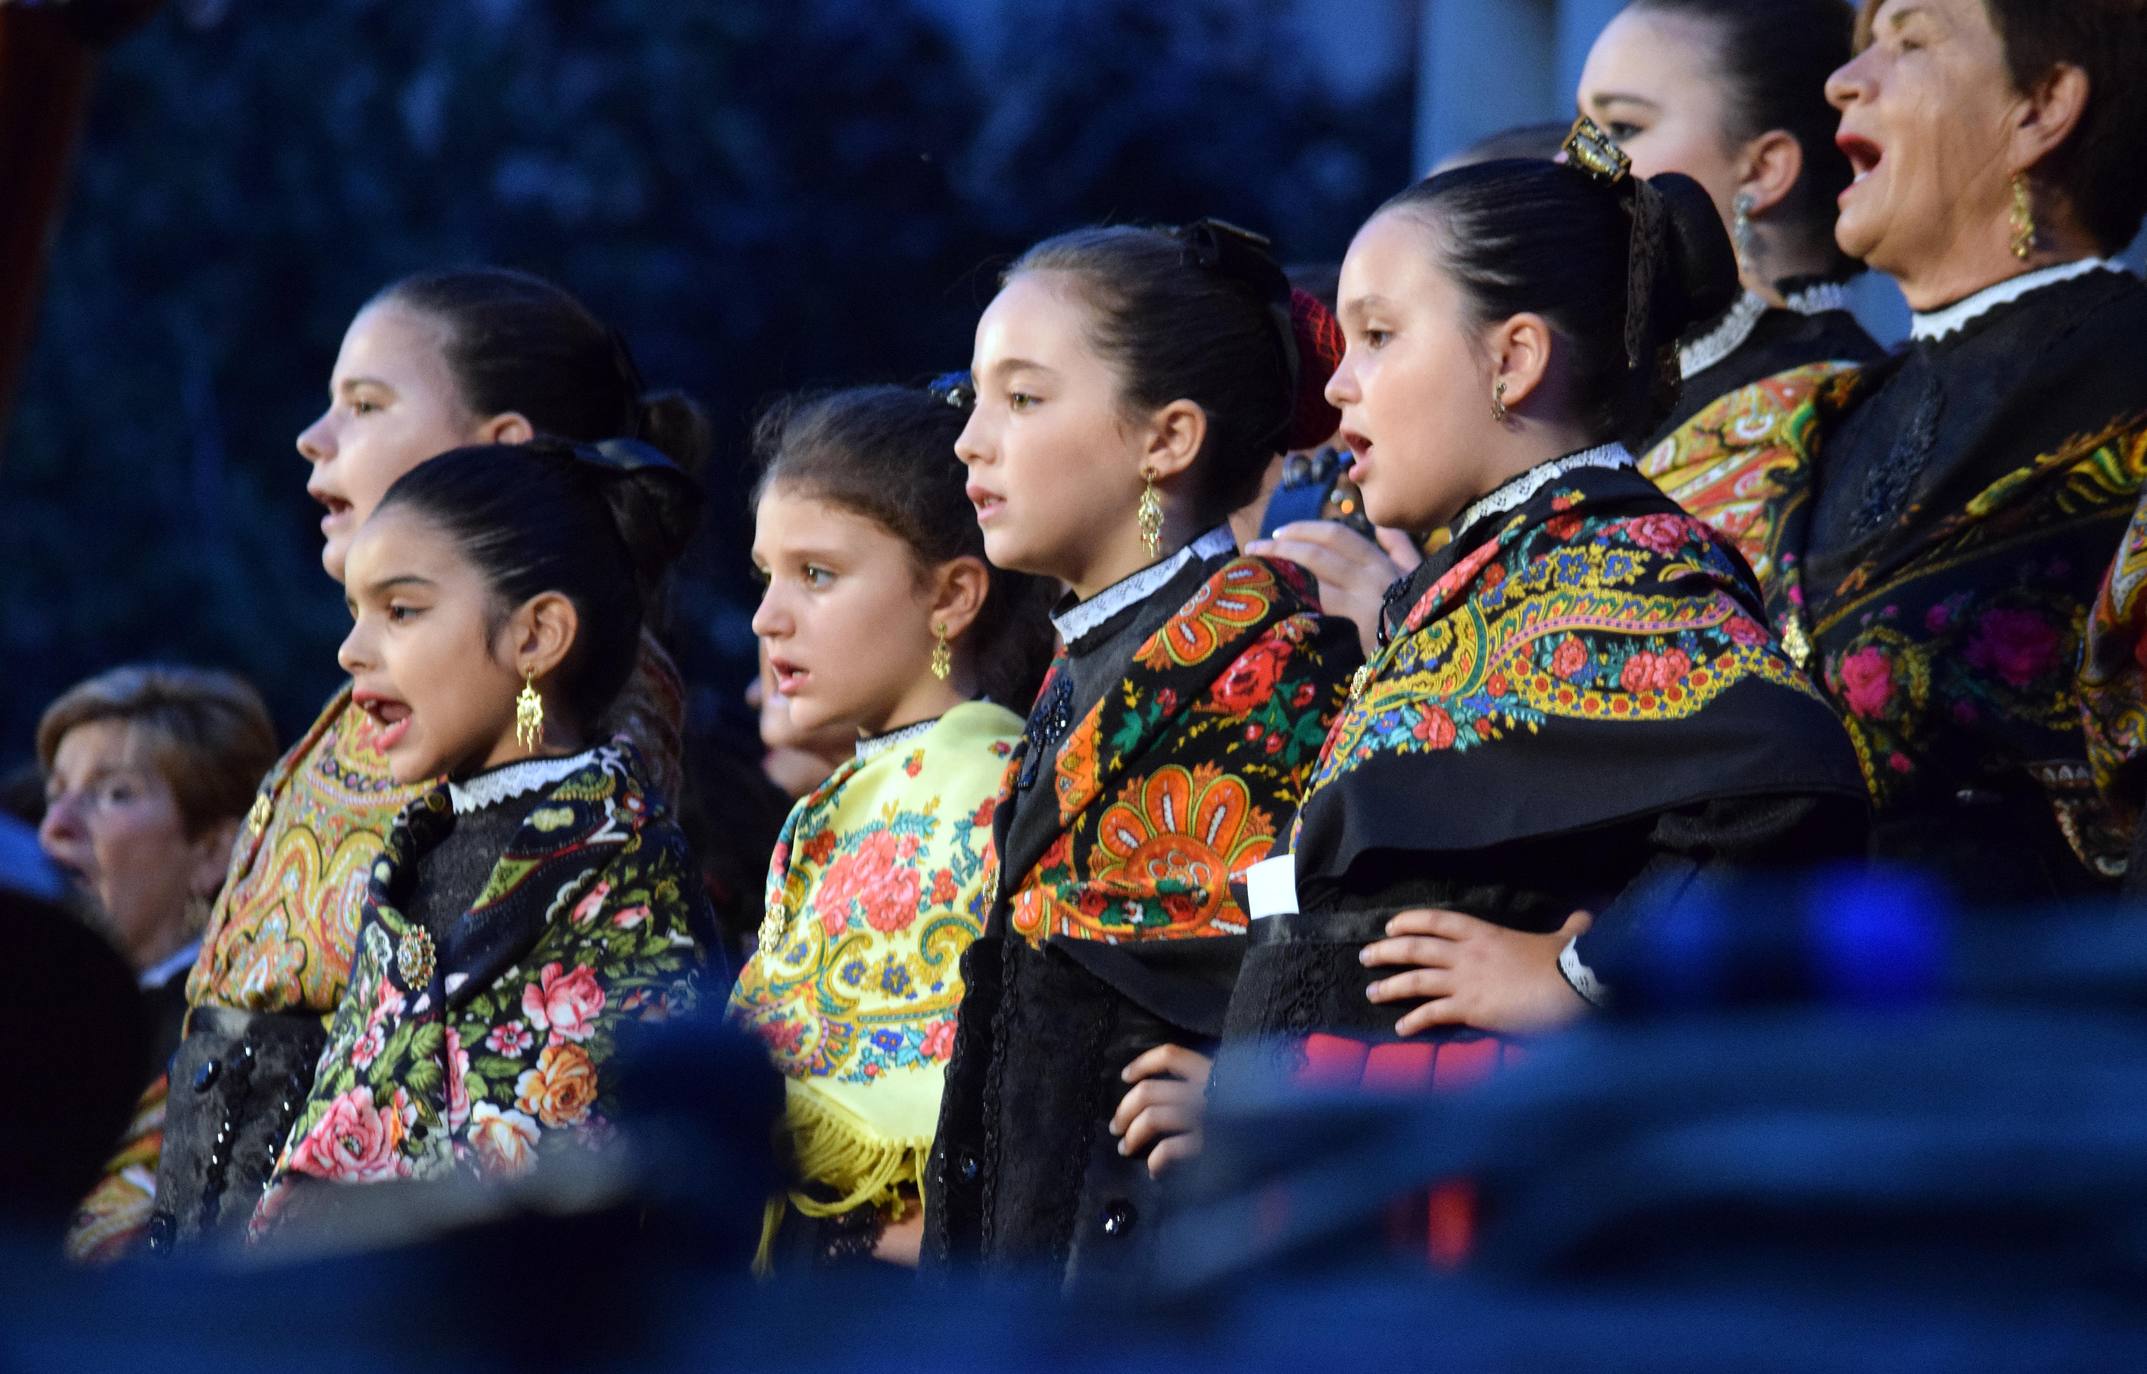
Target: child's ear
{"type": "Point", "coordinates": [958, 593]}
{"type": "Point", "coordinates": [1175, 435]}
{"type": "Point", "coordinates": [541, 633]}
{"type": "Point", "coordinates": [507, 427]}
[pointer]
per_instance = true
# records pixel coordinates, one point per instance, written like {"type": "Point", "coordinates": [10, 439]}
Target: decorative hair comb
{"type": "Point", "coordinates": [957, 389]}
{"type": "Point", "coordinates": [1596, 153]}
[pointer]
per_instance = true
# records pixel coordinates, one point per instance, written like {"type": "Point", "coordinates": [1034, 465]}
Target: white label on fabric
{"type": "Point", "coordinates": [1271, 887]}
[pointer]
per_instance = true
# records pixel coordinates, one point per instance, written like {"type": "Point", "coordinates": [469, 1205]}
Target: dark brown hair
{"type": "Point", "coordinates": [206, 732]}
{"type": "Point", "coordinates": [2097, 170]}
{"type": "Point", "coordinates": [887, 453]}
{"type": "Point", "coordinates": [1773, 57]}
{"type": "Point", "coordinates": [600, 524]}
{"type": "Point", "coordinates": [518, 343]}
{"type": "Point", "coordinates": [1197, 315]}
{"type": "Point", "coordinates": [1620, 271]}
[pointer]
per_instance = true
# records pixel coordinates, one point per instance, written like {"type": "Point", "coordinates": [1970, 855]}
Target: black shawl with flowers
{"type": "Point", "coordinates": [1116, 929]}
{"type": "Point", "coordinates": [1579, 707]}
{"type": "Point", "coordinates": [1939, 536]}
{"type": "Point", "coordinates": [483, 1045]}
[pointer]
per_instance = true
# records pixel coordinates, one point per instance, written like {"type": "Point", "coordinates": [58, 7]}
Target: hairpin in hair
{"type": "Point", "coordinates": [957, 389]}
{"type": "Point", "coordinates": [1596, 153]}
{"type": "Point", "coordinates": [1219, 244]}
{"type": "Point", "coordinates": [620, 455]}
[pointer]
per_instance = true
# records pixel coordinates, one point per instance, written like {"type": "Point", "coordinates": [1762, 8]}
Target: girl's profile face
{"type": "Point", "coordinates": [1054, 466]}
{"type": "Point", "coordinates": [1414, 392]}
{"type": "Point", "coordinates": [845, 619]}
{"type": "Point", "coordinates": [1652, 82]}
{"type": "Point", "coordinates": [392, 403]}
{"type": "Point", "coordinates": [421, 652]}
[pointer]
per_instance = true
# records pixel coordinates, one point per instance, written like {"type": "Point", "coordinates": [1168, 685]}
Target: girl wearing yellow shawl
{"type": "Point", "coordinates": [881, 615]}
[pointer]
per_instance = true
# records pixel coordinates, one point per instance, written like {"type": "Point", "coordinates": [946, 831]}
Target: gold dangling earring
{"type": "Point", "coordinates": [2023, 218]}
{"type": "Point", "coordinates": [1150, 515]}
{"type": "Point", "coordinates": [942, 659]}
{"type": "Point", "coordinates": [1498, 402]}
{"type": "Point", "coordinates": [529, 714]}
{"type": "Point", "coordinates": [1741, 231]}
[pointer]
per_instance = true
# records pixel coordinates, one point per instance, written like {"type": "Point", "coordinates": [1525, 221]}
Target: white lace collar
{"type": "Point", "coordinates": [1926, 326]}
{"type": "Point", "coordinates": [1518, 489]}
{"type": "Point", "coordinates": [872, 746]}
{"type": "Point", "coordinates": [504, 783]}
{"type": "Point", "coordinates": [1724, 339]}
{"type": "Point", "coordinates": [1078, 622]}
{"type": "Point", "coordinates": [1818, 298]}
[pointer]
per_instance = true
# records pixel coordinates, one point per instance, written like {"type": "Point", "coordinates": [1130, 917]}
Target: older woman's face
{"type": "Point", "coordinates": [1925, 116]}
{"type": "Point", "coordinates": [113, 823]}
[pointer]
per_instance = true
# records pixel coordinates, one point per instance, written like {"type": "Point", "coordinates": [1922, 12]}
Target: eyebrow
{"type": "Point", "coordinates": [1371, 300]}
{"type": "Point", "coordinates": [1007, 365]}
{"type": "Point", "coordinates": [1620, 98]}
{"type": "Point", "coordinates": [349, 384]}
{"type": "Point", "coordinates": [1901, 14]}
{"type": "Point", "coordinates": [403, 580]}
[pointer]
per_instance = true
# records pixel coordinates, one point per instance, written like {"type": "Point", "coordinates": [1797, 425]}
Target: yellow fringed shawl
{"type": "Point", "coordinates": [877, 885]}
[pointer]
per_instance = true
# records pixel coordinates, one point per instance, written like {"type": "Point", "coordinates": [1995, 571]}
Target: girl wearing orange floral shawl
{"type": "Point", "coordinates": [1132, 385]}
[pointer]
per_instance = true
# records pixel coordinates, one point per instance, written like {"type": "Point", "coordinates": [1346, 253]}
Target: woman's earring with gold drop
{"type": "Point", "coordinates": [1150, 515]}
{"type": "Point", "coordinates": [942, 658]}
{"type": "Point", "coordinates": [529, 714]}
{"type": "Point", "coordinates": [1498, 402]}
{"type": "Point", "coordinates": [2023, 218]}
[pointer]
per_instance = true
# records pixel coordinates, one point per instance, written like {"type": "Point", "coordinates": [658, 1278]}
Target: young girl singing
{"type": "Point", "coordinates": [1577, 711]}
{"type": "Point", "coordinates": [529, 907]}
{"type": "Point", "coordinates": [433, 362]}
{"type": "Point", "coordinates": [882, 618]}
{"type": "Point", "coordinates": [1132, 387]}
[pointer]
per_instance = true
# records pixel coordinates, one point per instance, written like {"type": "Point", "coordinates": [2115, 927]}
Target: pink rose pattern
{"type": "Point", "coordinates": [565, 1004]}
{"type": "Point", "coordinates": [1917, 681]}
{"type": "Point", "coordinates": [901, 892]}
{"type": "Point", "coordinates": [411, 1089]}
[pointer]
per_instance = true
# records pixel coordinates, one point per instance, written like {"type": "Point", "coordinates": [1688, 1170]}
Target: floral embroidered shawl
{"type": "Point", "coordinates": [877, 885]}
{"type": "Point", "coordinates": [1956, 643]}
{"type": "Point", "coordinates": [1593, 656]}
{"type": "Point", "coordinates": [280, 936]}
{"type": "Point", "coordinates": [1185, 772]}
{"type": "Point", "coordinates": [488, 1046]}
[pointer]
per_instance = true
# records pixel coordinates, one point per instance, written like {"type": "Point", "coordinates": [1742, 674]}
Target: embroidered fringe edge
{"type": "Point", "coordinates": [831, 1146]}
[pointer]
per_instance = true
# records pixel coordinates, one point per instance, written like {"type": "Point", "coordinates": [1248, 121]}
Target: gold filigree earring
{"type": "Point", "coordinates": [529, 714]}
{"type": "Point", "coordinates": [1741, 234]}
{"type": "Point", "coordinates": [942, 657]}
{"type": "Point", "coordinates": [2023, 218]}
{"type": "Point", "coordinates": [1498, 402]}
{"type": "Point", "coordinates": [1150, 515]}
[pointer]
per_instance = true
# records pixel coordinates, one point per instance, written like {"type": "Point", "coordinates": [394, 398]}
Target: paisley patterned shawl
{"type": "Point", "coordinates": [1595, 656]}
{"type": "Point", "coordinates": [281, 933]}
{"type": "Point", "coordinates": [1956, 644]}
{"type": "Point", "coordinates": [1186, 770]}
{"type": "Point", "coordinates": [2113, 678]}
{"type": "Point", "coordinates": [488, 1047]}
{"type": "Point", "coordinates": [877, 885]}
{"type": "Point", "coordinates": [1729, 467]}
